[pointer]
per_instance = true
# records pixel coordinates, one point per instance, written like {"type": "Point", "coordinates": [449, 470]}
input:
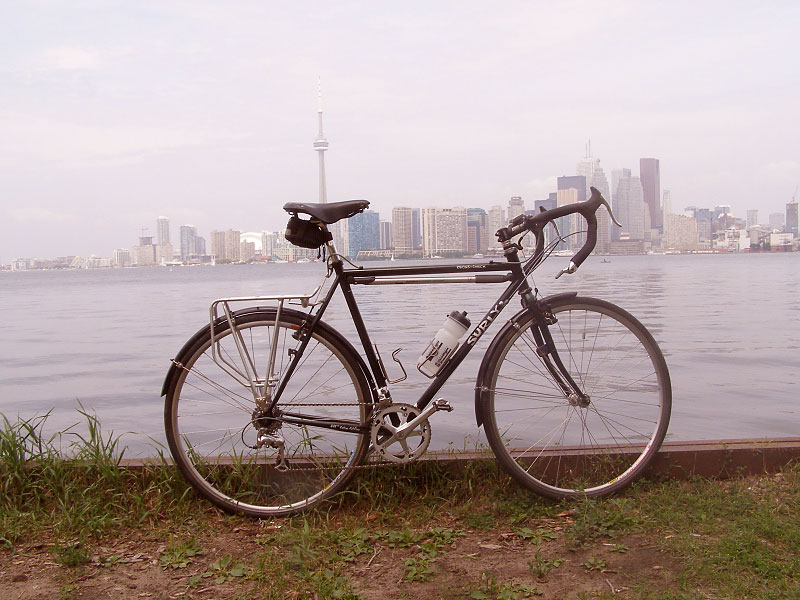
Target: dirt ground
{"type": "Point", "coordinates": [478, 564]}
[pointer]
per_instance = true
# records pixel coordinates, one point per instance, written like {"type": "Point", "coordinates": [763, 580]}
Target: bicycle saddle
{"type": "Point", "coordinates": [327, 213]}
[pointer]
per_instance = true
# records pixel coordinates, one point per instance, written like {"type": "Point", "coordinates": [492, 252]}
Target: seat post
{"type": "Point", "coordinates": [330, 245]}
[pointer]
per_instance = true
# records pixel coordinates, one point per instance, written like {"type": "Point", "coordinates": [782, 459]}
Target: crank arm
{"type": "Point", "coordinates": [402, 431]}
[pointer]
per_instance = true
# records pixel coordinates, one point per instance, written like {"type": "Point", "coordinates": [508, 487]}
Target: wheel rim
{"type": "Point", "coordinates": [211, 421]}
{"type": "Point", "coordinates": [559, 447]}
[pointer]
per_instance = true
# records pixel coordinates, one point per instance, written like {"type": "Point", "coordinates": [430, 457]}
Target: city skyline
{"type": "Point", "coordinates": [429, 231]}
{"type": "Point", "coordinates": [115, 113]}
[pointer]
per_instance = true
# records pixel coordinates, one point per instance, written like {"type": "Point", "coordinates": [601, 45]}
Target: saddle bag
{"type": "Point", "coordinates": [306, 234]}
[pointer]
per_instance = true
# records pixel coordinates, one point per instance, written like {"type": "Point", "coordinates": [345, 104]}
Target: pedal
{"type": "Point", "coordinates": [442, 404]}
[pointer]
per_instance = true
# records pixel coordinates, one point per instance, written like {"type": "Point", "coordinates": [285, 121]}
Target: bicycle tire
{"type": "Point", "coordinates": [559, 449]}
{"type": "Point", "coordinates": [208, 417]}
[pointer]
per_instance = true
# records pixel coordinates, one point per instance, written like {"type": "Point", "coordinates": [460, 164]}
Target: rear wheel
{"type": "Point", "coordinates": [213, 427]}
{"type": "Point", "coordinates": [554, 445]}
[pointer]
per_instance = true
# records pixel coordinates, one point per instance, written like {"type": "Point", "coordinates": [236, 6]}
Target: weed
{"type": "Point", "coordinates": [618, 548]}
{"type": "Point", "coordinates": [535, 537]}
{"type": "Point", "coordinates": [480, 520]}
{"type": "Point", "coordinates": [71, 555]}
{"type": "Point", "coordinates": [178, 555]}
{"type": "Point", "coordinates": [491, 589]}
{"type": "Point", "coordinates": [541, 567]}
{"type": "Point", "coordinates": [402, 538]}
{"type": "Point", "coordinates": [418, 568]}
{"type": "Point", "coordinates": [221, 570]}
{"type": "Point", "coordinates": [594, 563]}
{"type": "Point", "coordinates": [600, 518]}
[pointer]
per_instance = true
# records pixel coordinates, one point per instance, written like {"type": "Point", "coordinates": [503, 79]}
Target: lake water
{"type": "Point", "coordinates": [729, 327]}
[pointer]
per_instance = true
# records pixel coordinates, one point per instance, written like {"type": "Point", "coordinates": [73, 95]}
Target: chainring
{"type": "Point", "coordinates": [405, 449]}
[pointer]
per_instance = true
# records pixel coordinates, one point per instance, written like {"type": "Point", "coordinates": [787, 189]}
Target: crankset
{"type": "Point", "coordinates": [399, 443]}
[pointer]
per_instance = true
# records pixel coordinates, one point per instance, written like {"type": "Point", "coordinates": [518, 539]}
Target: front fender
{"type": "Point", "coordinates": [481, 390]}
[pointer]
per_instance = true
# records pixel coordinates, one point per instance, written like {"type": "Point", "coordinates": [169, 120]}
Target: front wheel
{"type": "Point", "coordinates": [230, 453]}
{"type": "Point", "coordinates": [561, 447]}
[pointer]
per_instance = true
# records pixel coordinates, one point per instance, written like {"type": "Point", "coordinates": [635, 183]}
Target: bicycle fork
{"type": "Point", "coordinates": [547, 352]}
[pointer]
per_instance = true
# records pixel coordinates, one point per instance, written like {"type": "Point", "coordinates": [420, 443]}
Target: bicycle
{"type": "Point", "coordinates": [269, 410]}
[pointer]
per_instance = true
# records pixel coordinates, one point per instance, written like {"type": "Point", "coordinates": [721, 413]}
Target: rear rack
{"type": "Point", "coordinates": [246, 373]}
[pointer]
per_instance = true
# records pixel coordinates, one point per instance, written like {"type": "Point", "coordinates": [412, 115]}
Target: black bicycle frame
{"type": "Point", "coordinates": [516, 275]}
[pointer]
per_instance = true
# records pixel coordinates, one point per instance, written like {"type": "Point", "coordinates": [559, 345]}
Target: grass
{"type": "Point", "coordinates": [72, 483]}
{"type": "Point", "coordinates": [69, 494]}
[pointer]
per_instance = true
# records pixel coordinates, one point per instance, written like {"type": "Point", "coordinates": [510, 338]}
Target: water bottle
{"type": "Point", "coordinates": [443, 344]}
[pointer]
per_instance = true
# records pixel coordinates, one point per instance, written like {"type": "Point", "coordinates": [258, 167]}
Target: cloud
{"type": "Point", "coordinates": [35, 214]}
{"type": "Point", "coordinates": [73, 145]}
{"type": "Point", "coordinates": [68, 58]}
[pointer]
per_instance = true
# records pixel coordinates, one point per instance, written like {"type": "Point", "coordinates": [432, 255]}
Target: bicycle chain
{"type": "Point", "coordinates": [377, 406]}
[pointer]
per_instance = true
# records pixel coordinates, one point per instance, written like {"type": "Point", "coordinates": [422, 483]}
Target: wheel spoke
{"type": "Point", "coordinates": [558, 447]}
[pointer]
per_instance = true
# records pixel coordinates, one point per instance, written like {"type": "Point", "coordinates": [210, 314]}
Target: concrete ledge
{"type": "Point", "coordinates": [718, 459]}
{"type": "Point", "coordinates": [724, 458]}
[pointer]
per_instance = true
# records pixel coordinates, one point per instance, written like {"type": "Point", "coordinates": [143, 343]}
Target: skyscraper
{"type": "Point", "coordinates": [791, 218]}
{"type": "Point", "coordinates": [516, 207]}
{"type": "Point", "coordinates": [402, 230]}
{"type": "Point", "coordinates": [477, 230]}
{"type": "Point", "coordinates": [777, 220]}
{"type": "Point", "coordinates": [629, 207]}
{"type": "Point", "coordinates": [416, 228]}
{"type": "Point", "coordinates": [752, 218]}
{"type": "Point", "coordinates": [188, 241]}
{"type": "Point", "coordinates": [363, 232]}
{"type": "Point", "coordinates": [444, 231]}
{"type": "Point", "coordinates": [496, 219]}
{"type": "Point", "coordinates": [650, 177]}
{"type": "Point", "coordinates": [571, 224]}
{"type": "Point", "coordinates": [386, 235]}
{"type": "Point", "coordinates": [162, 231]}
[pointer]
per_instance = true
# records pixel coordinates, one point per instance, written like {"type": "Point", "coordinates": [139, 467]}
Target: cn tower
{"type": "Point", "coordinates": [321, 145]}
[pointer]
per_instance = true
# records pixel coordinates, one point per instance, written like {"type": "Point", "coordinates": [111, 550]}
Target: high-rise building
{"type": "Point", "coordinates": [777, 220]}
{"type": "Point", "coordinates": [629, 207]}
{"type": "Point", "coordinates": [189, 241]}
{"type": "Point", "coordinates": [226, 245]}
{"type": "Point", "coordinates": [791, 218]}
{"type": "Point", "coordinates": [516, 207]}
{"type": "Point", "coordinates": [363, 232]}
{"type": "Point", "coordinates": [680, 232]}
{"type": "Point", "coordinates": [666, 203]}
{"type": "Point", "coordinates": [495, 219]}
{"type": "Point", "coordinates": [121, 257]}
{"type": "Point", "coordinates": [444, 231]}
{"type": "Point", "coordinates": [598, 181]}
{"type": "Point", "coordinates": [144, 255]}
{"type": "Point", "coordinates": [416, 228]}
{"type": "Point", "coordinates": [752, 218]}
{"type": "Point", "coordinates": [162, 231]}
{"type": "Point", "coordinates": [576, 182]}
{"type": "Point", "coordinates": [402, 230]}
{"type": "Point", "coordinates": [386, 235]}
{"type": "Point", "coordinates": [571, 224]}
{"type": "Point", "coordinates": [477, 230]}
{"type": "Point", "coordinates": [547, 204]}
{"type": "Point", "coordinates": [650, 177]}
{"type": "Point", "coordinates": [247, 250]}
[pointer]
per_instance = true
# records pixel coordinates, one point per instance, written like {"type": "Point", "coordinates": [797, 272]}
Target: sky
{"type": "Point", "coordinates": [115, 113]}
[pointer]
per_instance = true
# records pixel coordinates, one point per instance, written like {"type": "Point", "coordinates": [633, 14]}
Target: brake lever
{"type": "Point", "coordinates": [569, 270]}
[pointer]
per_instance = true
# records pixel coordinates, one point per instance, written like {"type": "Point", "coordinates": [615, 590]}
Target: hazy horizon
{"type": "Point", "coordinates": [114, 114]}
